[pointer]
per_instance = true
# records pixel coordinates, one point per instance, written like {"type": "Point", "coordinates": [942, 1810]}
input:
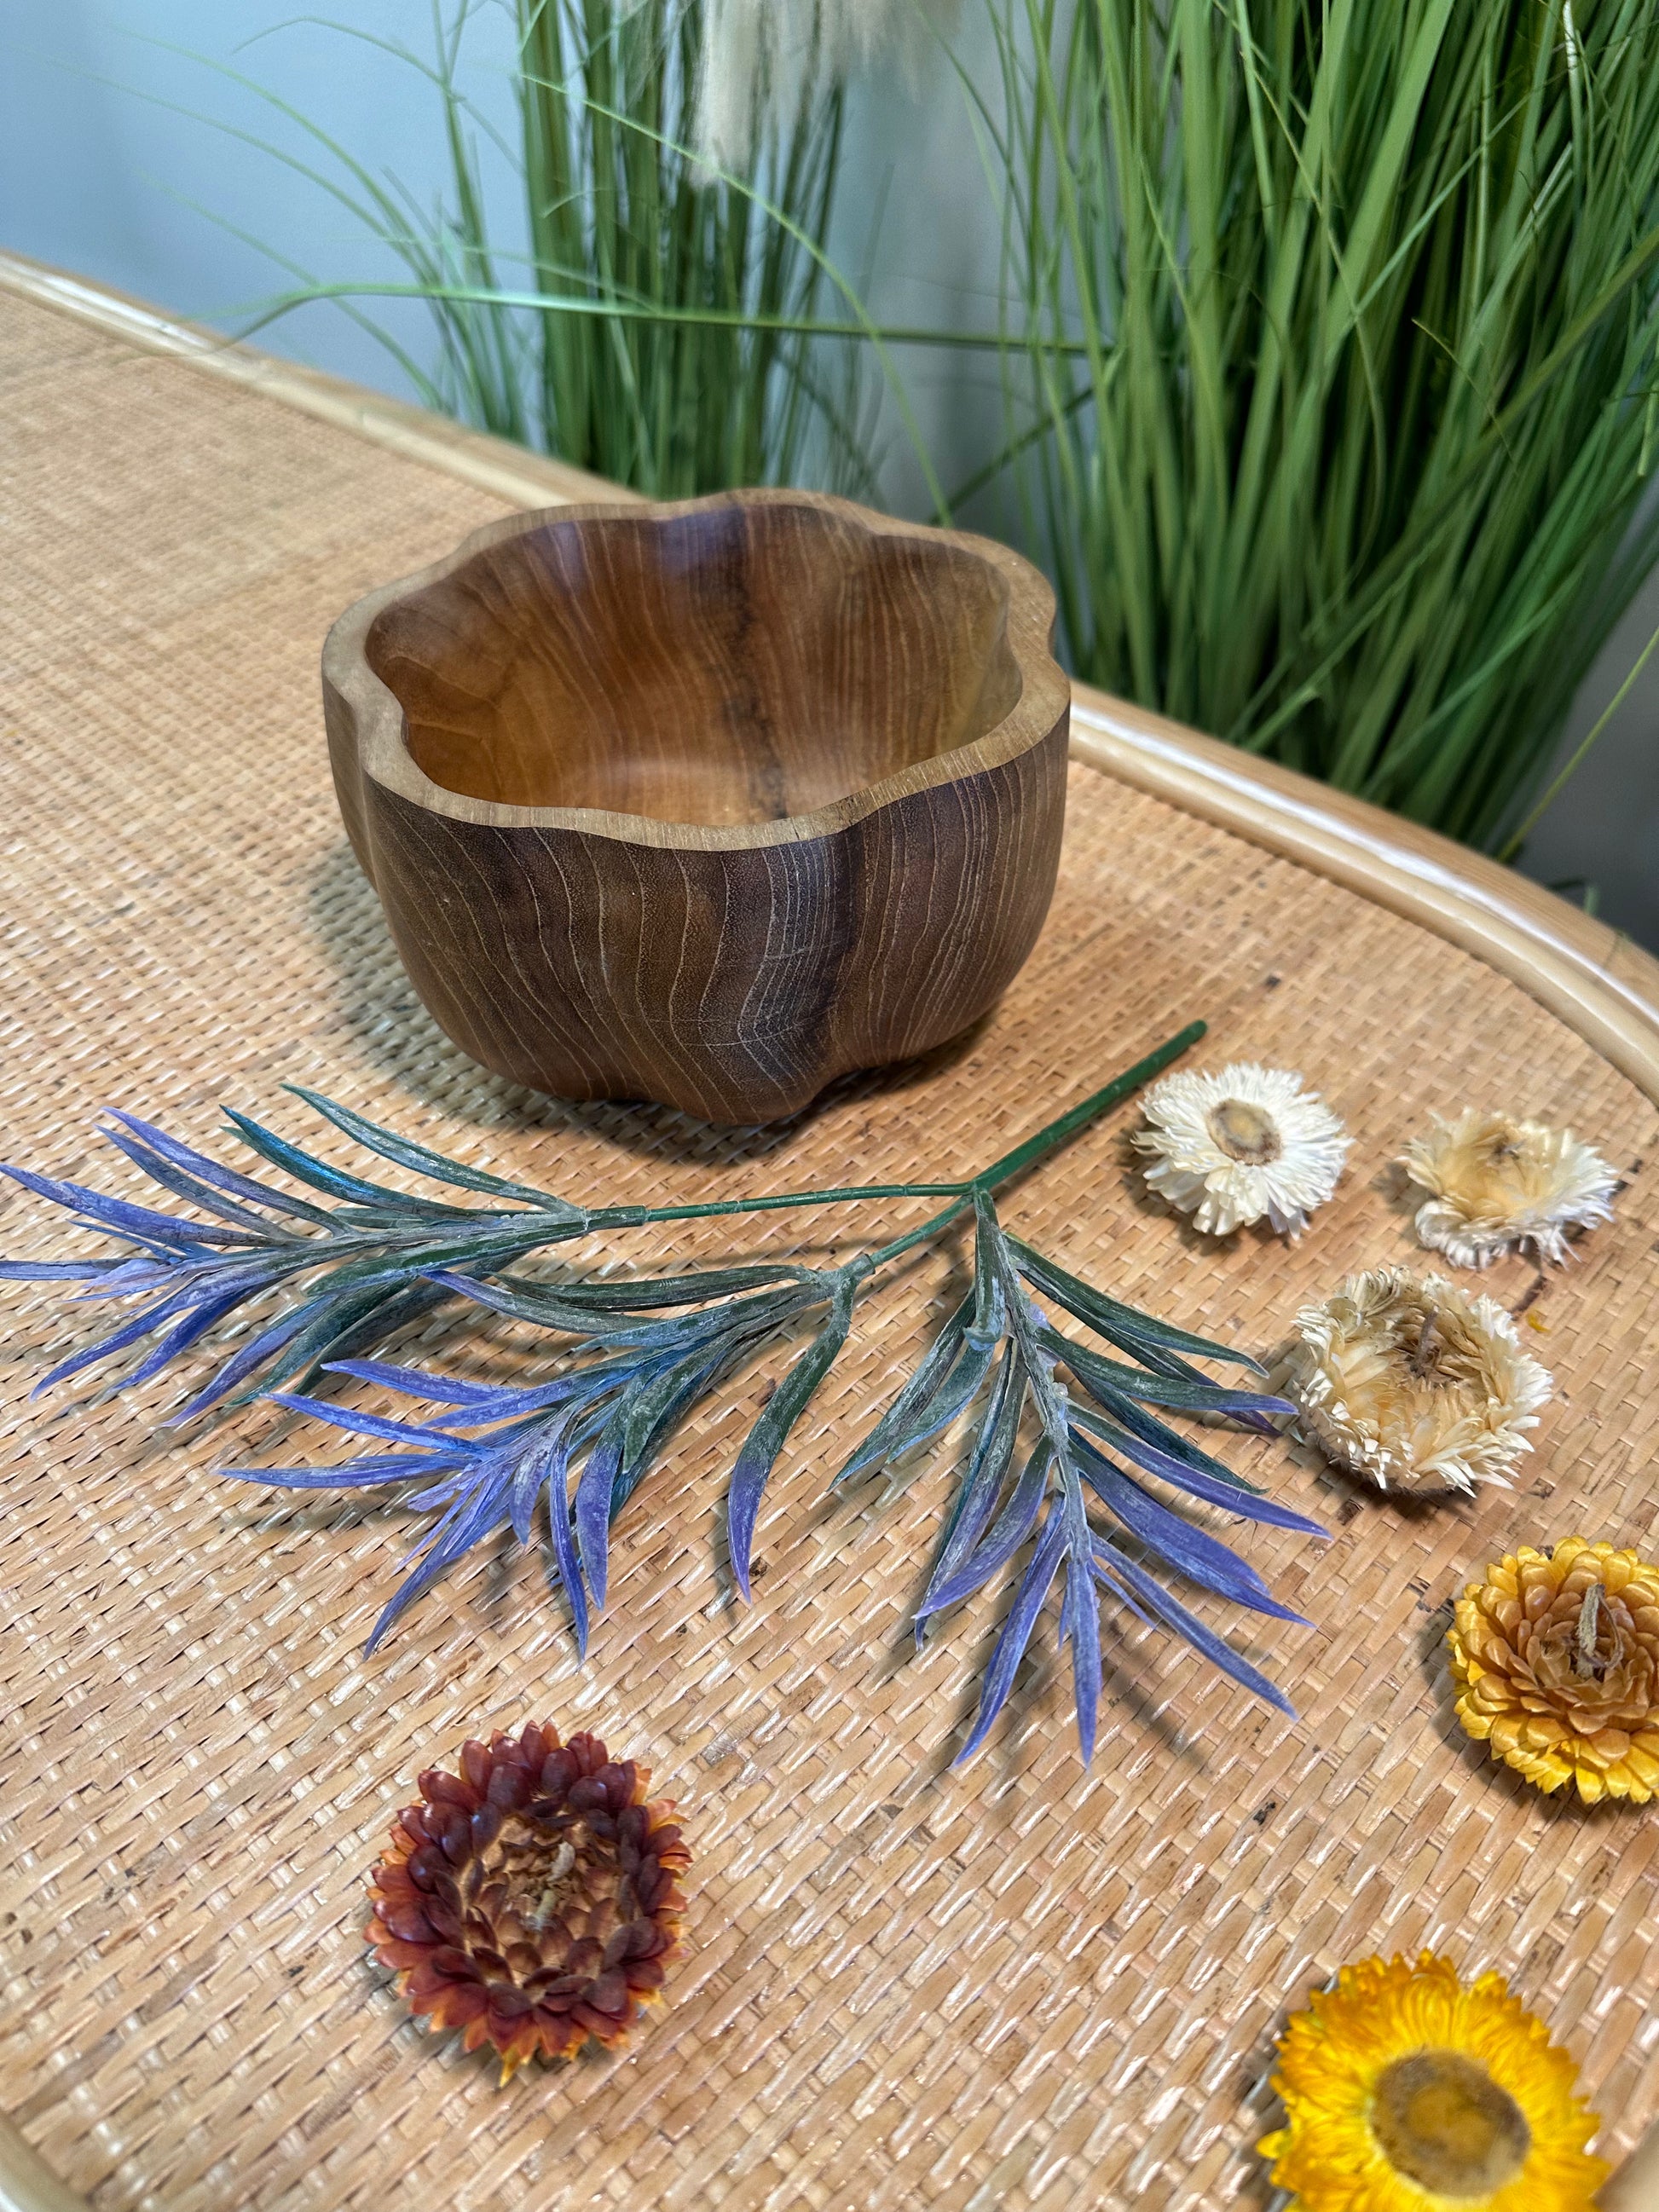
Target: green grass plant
{"type": "Point", "coordinates": [1330, 335]}
{"type": "Point", "coordinates": [657, 322]}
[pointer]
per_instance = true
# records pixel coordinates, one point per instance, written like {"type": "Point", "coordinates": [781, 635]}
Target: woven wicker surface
{"type": "Point", "coordinates": [1015, 1985]}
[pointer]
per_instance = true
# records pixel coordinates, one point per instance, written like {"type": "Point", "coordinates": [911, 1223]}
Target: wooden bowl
{"type": "Point", "coordinates": [705, 803]}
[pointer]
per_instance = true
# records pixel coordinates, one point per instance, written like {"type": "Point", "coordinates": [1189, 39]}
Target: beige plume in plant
{"type": "Point", "coordinates": [1413, 1383]}
{"type": "Point", "coordinates": [760, 56]}
{"type": "Point", "coordinates": [1495, 1185]}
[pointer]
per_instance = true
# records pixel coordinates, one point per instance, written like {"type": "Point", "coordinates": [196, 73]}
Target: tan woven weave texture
{"type": "Point", "coordinates": [1015, 1985]}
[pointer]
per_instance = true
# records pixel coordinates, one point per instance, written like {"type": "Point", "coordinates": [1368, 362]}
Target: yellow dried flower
{"type": "Point", "coordinates": [1405, 2092]}
{"type": "Point", "coordinates": [1497, 1185]}
{"type": "Point", "coordinates": [1413, 1383]}
{"type": "Point", "coordinates": [1557, 1659]}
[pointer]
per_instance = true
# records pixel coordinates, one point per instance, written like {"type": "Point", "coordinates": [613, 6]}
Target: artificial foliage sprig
{"type": "Point", "coordinates": [1063, 1437]}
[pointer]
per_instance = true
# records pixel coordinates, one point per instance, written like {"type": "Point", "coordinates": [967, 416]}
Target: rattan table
{"type": "Point", "coordinates": [1014, 1985]}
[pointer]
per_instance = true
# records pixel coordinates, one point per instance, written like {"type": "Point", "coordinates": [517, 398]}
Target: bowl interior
{"type": "Point", "coordinates": [733, 665]}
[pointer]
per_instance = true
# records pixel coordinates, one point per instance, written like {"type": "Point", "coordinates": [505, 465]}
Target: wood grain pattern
{"type": "Point", "coordinates": [705, 803]}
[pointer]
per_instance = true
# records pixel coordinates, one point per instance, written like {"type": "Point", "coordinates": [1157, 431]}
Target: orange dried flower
{"type": "Point", "coordinates": [1557, 1661]}
{"type": "Point", "coordinates": [529, 1900]}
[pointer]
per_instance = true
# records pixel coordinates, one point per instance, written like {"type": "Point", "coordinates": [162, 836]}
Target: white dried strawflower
{"type": "Point", "coordinates": [1497, 1185]}
{"type": "Point", "coordinates": [1414, 1384]}
{"type": "Point", "coordinates": [1231, 1147]}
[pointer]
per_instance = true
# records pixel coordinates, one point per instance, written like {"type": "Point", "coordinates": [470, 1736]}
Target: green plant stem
{"type": "Point", "coordinates": [1027, 1154]}
{"type": "Point", "coordinates": [607, 307]}
{"type": "Point", "coordinates": [1057, 1133]}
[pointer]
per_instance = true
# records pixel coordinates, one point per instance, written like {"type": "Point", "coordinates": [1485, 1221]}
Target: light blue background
{"type": "Point", "coordinates": [111, 164]}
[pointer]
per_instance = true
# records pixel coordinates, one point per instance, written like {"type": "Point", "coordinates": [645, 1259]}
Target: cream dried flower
{"type": "Point", "coordinates": [1413, 1383]}
{"type": "Point", "coordinates": [1497, 1185]}
{"type": "Point", "coordinates": [1248, 1141]}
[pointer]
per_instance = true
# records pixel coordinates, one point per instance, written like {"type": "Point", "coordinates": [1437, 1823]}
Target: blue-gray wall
{"type": "Point", "coordinates": [111, 164]}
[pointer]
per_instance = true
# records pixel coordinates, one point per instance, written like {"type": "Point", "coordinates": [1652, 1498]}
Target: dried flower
{"type": "Point", "coordinates": [1406, 2092]}
{"type": "Point", "coordinates": [1414, 1384]}
{"type": "Point", "coordinates": [1230, 1147]}
{"type": "Point", "coordinates": [580, 1438]}
{"type": "Point", "coordinates": [1556, 1656]}
{"type": "Point", "coordinates": [1497, 1185]}
{"type": "Point", "coordinates": [529, 1900]}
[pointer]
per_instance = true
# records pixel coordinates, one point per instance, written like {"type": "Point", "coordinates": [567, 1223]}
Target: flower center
{"type": "Point", "coordinates": [1597, 1643]}
{"type": "Point", "coordinates": [1244, 1133]}
{"type": "Point", "coordinates": [1424, 1352]}
{"type": "Point", "coordinates": [1514, 1171]}
{"type": "Point", "coordinates": [1444, 2123]}
{"type": "Point", "coordinates": [560, 1884]}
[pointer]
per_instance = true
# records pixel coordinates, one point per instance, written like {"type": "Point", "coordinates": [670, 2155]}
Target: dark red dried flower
{"type": "Point", "coordinates": [529, 1900]}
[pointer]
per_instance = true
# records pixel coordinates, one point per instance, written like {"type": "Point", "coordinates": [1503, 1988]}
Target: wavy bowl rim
{"type": "Point", "coordinates": [379, 725]}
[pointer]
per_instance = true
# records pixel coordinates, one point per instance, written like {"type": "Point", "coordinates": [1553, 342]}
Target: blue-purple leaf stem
{"type": "Point", "coordinates": [1058, 1430]}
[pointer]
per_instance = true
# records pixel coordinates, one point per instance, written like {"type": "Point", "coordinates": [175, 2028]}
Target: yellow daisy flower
{"type": "Point", "coordinates": [1556, 1657]}
{"type": "Point", "coordinates": [1405, 2092]}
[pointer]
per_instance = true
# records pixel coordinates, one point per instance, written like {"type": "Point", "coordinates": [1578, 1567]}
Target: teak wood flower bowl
{"type": "Point", "coordinates": [705, 803]}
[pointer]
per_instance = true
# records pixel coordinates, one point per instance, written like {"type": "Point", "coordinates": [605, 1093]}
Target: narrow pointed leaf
{"type": "Point", "coordinates": [1249, 1504]}
{"type": "Point", "coordinates": [900, 1425]}
{"type": "Point", "coordinates": [57, 1271]}
{"type": "Point", "coordinates": [1113, 1319]}
{"type": "Point", "coordinates": [184, 1333]}
{"type": "Point", "coordinates": [130, 1332]}
{"type": "Point", "coordinates": [560, 1453]}
{"type": "Point", "coordinates": [1010, 1648]}
{"type": "Point", "coordinates": [627, 1294]}
{"type": "Point", "coordinates": [1117, 1568]}
{"type": "Point", "coordinates": [593, 1490]}
{"type": "Point", "coordinates": [1013, 1526]}
{"type": "Point", "coordinates": [1081, 1627]}
{"type": "Point", "coordinates": [242, 1363]}
{"type": "Point", "coordinates": [194, 1189]}
{"type": "Point", "coordinates": [353, 1423]}
{"type": "Point", "coordinates": [766, 1439]}
{"type": "Point", "coordinates": [1110, 1379]}
{"type": "Point", "coordinates": [524, 1487]}
{"type": "Point", "coordinates": [334, 1181]}
{"type": "Point", "coordinates": [1189, 1550]}
{"type": "Point", "coordinates": [338, 1326]}
{"type": "Point", "coordinates": [691, 1380]}
{"type": "Point", "coordinates": [1147, 1429]}
{"type": "Point", "coordinates": [471, 1519]}
{"type": "Point", "coordinates": [421, 1159]}
{"type": "Point", "coordinates": [209, 1170]}
{"type": "Point", "coordinates": [417, 1382]}
{"type": "Point", "coordinates": [366, 1473]}
{"type": "Point", "coordinates": [116, 1215]}
{"type": "Point", "coordinates": [980, 1487]}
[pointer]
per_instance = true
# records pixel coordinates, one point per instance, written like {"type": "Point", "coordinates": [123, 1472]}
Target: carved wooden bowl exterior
{"type": "Point", "coordinates": [705, 803]}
